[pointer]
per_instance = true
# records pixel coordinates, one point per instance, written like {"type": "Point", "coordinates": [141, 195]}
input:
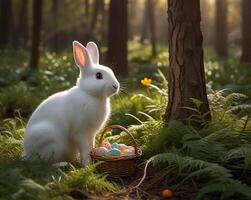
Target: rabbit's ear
{"type": "Point", "coordinates": [81, 55]}
{"type": "Point", "coordinates": [93, 51]}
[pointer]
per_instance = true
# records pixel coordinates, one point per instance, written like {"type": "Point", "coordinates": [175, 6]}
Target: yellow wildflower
{"type": "Point", "coordinates": [146, 82]}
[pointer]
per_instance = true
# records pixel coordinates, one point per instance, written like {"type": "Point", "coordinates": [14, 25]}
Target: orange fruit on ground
{"type": "Point", "coordinates": [167, 193]}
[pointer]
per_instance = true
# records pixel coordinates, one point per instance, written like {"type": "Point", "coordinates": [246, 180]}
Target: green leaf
{"type": "Point", "coordinates": [191, 136]}
{"type": "Point", "coordinates": [197, 102]}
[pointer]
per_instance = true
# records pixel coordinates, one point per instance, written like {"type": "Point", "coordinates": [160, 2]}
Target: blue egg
{"type": "Point", "coordinates": [102, 150]}
{"type": "Point", "coordinates": [115, 145]}
{"type": "Point", "coordinates": [115, 152]}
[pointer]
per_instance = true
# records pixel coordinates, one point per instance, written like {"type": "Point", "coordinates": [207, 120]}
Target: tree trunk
{"type": "Point", "coordinates": [206, 22]}
{"type": "Point", "coordinates": [186, 74]}
{"type": "Point", "coordinates": [86, 8]}
{"type": "Point", "coordinates": [144, 23]}
{"type": "Point", "coordinates": [5, 22]}
{"type": "Point", "coordinates": [151, 16]}
{"type": "Point", "coordinates": [55, 20]}
{"type": "Point", "coordinates": [36, 33]}
{"type": "Point", "coordinates": [103, 27]}
{"type": "Point", "coordinates": [221, 28]}
{"type": "Point", "coordinates": [246, 31]}
{"type": "Point", "coordinates": [117, 37]}
{"type": "Point", "coordinates": [23, 24]}
{"type": "Point", "coordinates": [94, 19]}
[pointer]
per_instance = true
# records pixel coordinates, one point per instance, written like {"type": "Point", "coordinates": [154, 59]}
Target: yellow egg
{"type": "Point", "coordinates": [122, 147]}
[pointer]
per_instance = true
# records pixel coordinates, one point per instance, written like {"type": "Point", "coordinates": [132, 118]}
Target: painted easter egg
{"type": "Point", "coordinates": [128, 152]}
{"type": "Point", "coordinates": [115, 152]}
{"type": "Point", "coordinates": [122, 147]}
{"type": "Point", "coordinates": [122, 151]}
{"type": "Point", "coordinates": [131, 148]}
{"type": "Point", "coordinates": [102, 151]}
{"type": "Point", "coordinates": [107, 145]}
{"type": "Point", "coordinates": [114, 145]}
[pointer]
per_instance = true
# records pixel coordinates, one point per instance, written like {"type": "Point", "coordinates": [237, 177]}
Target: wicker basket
{"type": "Point", "coordinates": [120, 166]}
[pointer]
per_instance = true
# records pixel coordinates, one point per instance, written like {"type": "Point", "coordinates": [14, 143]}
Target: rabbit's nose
{"type": "Point", "coordinates": [115, 87]}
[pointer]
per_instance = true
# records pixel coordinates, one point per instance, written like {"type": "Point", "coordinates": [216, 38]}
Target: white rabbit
{"type": "Point", "coordinates": [67, 121]}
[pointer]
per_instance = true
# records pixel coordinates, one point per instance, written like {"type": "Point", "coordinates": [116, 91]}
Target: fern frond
{"type": "Point", "coordinates": [86, 179]}
{"type": "Point", "coordinates": [237, 153]}
{"type": "Point", "coordinates": [226, 190]}
{"type": "Point", "coordinates": [234, 98]}
{"type": "Point", "coordinates": [190, 165]}
{"type": "Point", "coordinates": [241, 110]}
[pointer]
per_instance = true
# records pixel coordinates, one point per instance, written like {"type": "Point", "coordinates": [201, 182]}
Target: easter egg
{"type": "Point", "coordinates": [122, 147]}
{"type": "Point", "coordinates": [167, 194]}
{"type": "Point", "coordinates": [131, 148]}
{"type": "Point", "coordinates": [107, 145]}
{"type": "Point", "coordinates": [114, 145]}
{"type": "Point", "coordinates": [122, 151]}
{"type": "Point", "coordinates": [115, 152]}
{"type": "Point", "coordinates": [128, 152]}
{"type": "Point", "coordinates": [102, 151]}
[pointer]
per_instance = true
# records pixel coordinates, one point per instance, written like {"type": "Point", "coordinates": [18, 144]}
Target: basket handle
{"type": "Point", "coordinates": [135, 145]}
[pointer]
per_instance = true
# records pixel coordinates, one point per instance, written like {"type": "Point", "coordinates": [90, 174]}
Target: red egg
{"type": "Point", "coordinates": [107, 145]}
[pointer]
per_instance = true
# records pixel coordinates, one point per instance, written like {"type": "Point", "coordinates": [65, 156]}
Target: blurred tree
{"type": "Point", "coordinates": [149, 21]}
{"type": "Point", "coordinates": [221, 28]}
{"type": "Point", "coordinates": [86, 8]}
{"type": "Point", "coordinates": [36, 33]}
{"type": "Point", "coordinates": [246, 31]}
{"type": "Point", "coordinates": [55, 12]}
{"type": "Point", "coordinates": [103, 25]}
{"type": "Point", "coordinates": [186, 77]}
{"type": "Point", "coordinates": [117, 37]}
{"type": "Point", "coordinates": [94, 18]}
{"type": "Point", "coordinates": [22, 27]}
{"type": "Point", "coordinates": [6, 22]}
{"type": "Point", "coordinates": [206, 22]}
{"type": "Point", "coordinates": [151, 9]}
{"type": "Point", "coordinates": [144, 23]}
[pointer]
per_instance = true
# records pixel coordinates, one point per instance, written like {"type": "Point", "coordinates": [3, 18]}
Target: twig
{"type": "Point", "coordinates": [144, 176]}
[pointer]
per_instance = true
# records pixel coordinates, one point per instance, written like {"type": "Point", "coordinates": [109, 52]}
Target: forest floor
{"type": "Point", "coordinates": [151, 188]}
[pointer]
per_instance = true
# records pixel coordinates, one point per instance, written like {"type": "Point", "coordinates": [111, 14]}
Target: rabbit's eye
{"type": "Point", "coordinates": [99, 75]}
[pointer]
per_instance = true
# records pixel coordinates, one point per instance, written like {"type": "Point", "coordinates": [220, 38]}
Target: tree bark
{"type": "Point", "coordinates": [36, 33]}
{"type": "Point", "coordinates": [5, 22]}
{"type": "Point", "coordinates": [186, 74]}
{"type": "Point", "coordinates": [23, 24]}
{"type": "Point", "coordinates": [117, 37]}
{"type": "Point", "coordinates": [221, 28]}
{"type": "Point", "coordinates": [152, 25]}
{"type": "Point", "coordinates": [246, 31]}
